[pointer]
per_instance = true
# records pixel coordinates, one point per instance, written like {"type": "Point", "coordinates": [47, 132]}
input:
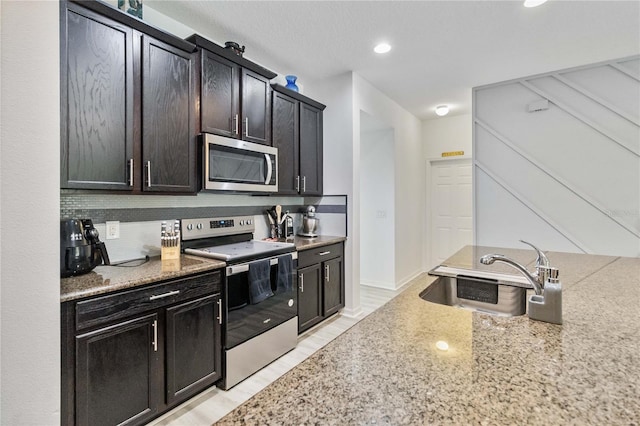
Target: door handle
{"type": "Point", "coordinates": [162, 296]}
{"type": "Point", "coordinates": [301, 283]}
{"type": "Point", "coordinates": [155, 335]}
{"type": "Point", "coordinates": [220, 311]}
{"type": "Point", "coordinates": [246, 126]}
{"type": "Point", "coordinates": [269, 169]}
{"type": "Point", "coordinates": [130, 172]}
{"type": "Point", "coordinates": [235, 125]}
{"type": "Point", "coordinates": [148, 174]}
{"type": "Point", "coordinates": [326, 272]}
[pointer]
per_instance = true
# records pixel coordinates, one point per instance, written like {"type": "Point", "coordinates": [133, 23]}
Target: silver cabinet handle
{"type": "Point", "coordinates": [246, 126]}
{"type": "Point", "coordinates": [130, 172]}
{"type": "Point", "coordinates": [155, 335]}
{"type": "Point", "coordinates": [326, 273]}
{"type": "Point", "coordinates": [162, 296]}
{"type": "Point", "coordinates": [298, 183]}
{"type": "Point", "coordinates": [148, 174]}
{"type": "Point", "coordinates": [235, 127]}
{"type": "Point", "coordinates": [304, 184]}
{"type": "Point", "coordinates": [220, 311]}
{"type": "Point", "coordinates": [324, 253]}
{"type": "Point", "coordinates": [302, 283]}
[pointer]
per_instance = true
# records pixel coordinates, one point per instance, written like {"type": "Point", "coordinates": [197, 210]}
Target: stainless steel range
{"type": "Point", "coordinates": [260, 293]}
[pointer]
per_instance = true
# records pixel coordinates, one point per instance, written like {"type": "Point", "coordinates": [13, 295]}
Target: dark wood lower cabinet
{"type": "Point", "coordinates": [320, 284]}
{"type": "Point", "coordinates": [193, 349]}
{"type": "Point", "coordinates": [117, 374]}
{"type": "Point", "coordinates": [124, 364]}
{"type": "Point", "coordinates": [309, 297]}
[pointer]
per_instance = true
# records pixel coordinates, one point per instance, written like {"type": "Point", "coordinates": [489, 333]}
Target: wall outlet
{"type": "Point", "coordinates": [113, 230]}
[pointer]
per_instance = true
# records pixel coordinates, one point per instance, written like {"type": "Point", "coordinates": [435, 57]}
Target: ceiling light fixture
{"type": "Point", "coordinates": [442, 345]}
{"type": "Point", "coordinates": [442, 110]}
{"type": "Point", "coordinates": [533, 3]}
{"type": "Point", "coordinates": [382, 48]}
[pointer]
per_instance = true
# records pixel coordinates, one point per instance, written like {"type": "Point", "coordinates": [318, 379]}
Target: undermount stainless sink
{"type": "Point", "coordinates": [481, 294]}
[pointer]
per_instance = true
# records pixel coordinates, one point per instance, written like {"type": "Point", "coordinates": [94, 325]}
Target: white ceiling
{"type": "Point", "coordinates": [441, 49]}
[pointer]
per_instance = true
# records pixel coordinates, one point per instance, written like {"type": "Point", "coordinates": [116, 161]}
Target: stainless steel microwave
{"type": "Point", "coordinates": [235, 165]}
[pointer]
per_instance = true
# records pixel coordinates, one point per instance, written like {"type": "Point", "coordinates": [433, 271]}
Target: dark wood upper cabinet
{"type": "Point", "coordinates": [168, 118]}
{"type": "Point", "coordinates": [97, 101]}
{"type": "Point", "coordinates": [256, 108]}
{"type": "Point", "coordinates": [235, 96]}
{"type": "Point", "coordinates": [297, 133]}
{"type": "Point", "coordinates": [310, 149]}
{"type": "Point", "coordinates": [219, 107]}
{"type": "Point", "coordinates": [128, 110]}
{"type": "Point", "coordinates": [285, 133]}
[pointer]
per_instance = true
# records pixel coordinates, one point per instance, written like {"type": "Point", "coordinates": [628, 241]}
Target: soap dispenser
{"type": "Point", "coordinates": [547, 306]}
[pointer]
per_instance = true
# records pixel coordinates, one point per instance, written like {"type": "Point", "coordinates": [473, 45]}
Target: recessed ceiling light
{"type": "Point", "coordinates": [442, 110]}
{"type": "Point", "coordinates": [533, 3]}
{"type": "Point", "coordinates": [382, 48]}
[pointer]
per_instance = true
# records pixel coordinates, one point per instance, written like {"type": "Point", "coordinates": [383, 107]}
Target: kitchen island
{"type": "Point", "coordinates": [497, 370]}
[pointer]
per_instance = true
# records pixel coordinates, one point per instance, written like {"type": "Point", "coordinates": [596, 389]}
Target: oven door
{"type": "Point", "coordinates": [236, 165]}
{"type": "Point", "coordinates": [246, 320]}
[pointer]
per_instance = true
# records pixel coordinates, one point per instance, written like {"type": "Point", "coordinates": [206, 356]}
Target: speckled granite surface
{"type": "Point", "coordinates": [387, 370]}
{"type": "Point", "coordinates": [105, 279]}
{"type": "Point", "coordinates": [303, 243]}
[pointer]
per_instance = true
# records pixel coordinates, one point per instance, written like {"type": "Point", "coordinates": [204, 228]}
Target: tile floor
{"type": "Point", "coordinates": [213, 404]}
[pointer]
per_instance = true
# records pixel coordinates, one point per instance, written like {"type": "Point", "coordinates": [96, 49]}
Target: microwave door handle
{"type": "Point", "coordinates": [269, 169]}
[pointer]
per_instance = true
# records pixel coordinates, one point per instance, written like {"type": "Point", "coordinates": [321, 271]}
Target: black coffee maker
{"type": "Point", "coordinates": [80, 247]}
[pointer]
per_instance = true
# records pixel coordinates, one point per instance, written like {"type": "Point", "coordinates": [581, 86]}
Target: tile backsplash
{"type": "Point", "coordinates": [140, 215]}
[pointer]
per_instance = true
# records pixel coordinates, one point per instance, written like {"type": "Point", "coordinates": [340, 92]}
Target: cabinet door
{"type": "Point", "coordinates": [310, 150]}
{"type": "Point", "coordinates": [285, 138]}
{"type": "Point", "coordinates": [118, 373]}
{"type": "Point", "coordinates": [309, 297]}
{"type": "Point", "coordinates": [97, 102]}
{"type": "Point", "coordinates": [333, 293]}
{"type": "Point", "coordinates": [256, 108]}
{"type": "Point", "coordinates": [168, 118]}
{"type": "Point", "coordinates": [220, 93]}
{"type": "Point", "coordinates": [193, 347]}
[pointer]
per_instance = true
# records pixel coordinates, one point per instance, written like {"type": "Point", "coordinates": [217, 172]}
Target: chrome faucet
{"type": "Point", "coordinates": [546, 304]}
{"type": "Point", "coordinates": [488, 259]}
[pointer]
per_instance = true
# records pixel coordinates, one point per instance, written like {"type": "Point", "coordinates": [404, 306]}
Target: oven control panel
{"type": "Point", "coordinates": [216, 227]}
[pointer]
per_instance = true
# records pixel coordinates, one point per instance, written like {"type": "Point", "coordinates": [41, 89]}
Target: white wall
{"type": "Point", "coordinates": [566, 178]}
{"type": "Point", "coordinates": [338, 169]}
{"type": "Point", "coordinates": [377, 209]}
{"type": "Point", "coordinates": [445, 134]}
{"type": "Point", "coordinates": [409, 175]}
{"type": "Point", "coordinates": [29, 221]}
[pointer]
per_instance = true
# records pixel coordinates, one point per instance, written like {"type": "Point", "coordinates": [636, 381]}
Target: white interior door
{"type": "Point", "coordinates": [450, 207]}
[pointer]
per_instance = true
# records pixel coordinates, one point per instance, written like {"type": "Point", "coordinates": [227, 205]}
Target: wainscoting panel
{"type": "Point", "coordinates": [562, 150]}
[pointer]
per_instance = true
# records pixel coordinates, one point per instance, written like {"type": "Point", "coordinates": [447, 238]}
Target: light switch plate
{"type": "Point", "coordinates": [113, 230]}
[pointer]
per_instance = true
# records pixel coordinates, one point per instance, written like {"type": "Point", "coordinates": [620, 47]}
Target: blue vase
{"type": "Point", "coordinates": [291, 82]}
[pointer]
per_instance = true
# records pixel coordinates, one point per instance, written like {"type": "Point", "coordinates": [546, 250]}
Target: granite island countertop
{"type": "Point", "coordinates": [386, 369]}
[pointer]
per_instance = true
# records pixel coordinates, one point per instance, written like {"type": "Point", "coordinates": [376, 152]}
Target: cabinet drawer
{"type": "Point", "coordinates": [319, 254]}
{"type": "Point", "coordinates": [105, 309]}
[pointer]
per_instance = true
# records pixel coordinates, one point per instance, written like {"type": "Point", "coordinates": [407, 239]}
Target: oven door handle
{"type": "Point", "coordinates": [244, 267]}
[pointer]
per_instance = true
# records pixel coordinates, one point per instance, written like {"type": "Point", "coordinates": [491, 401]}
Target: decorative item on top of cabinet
{"type": "Point", "coordinates": [297, 133]}
{"type": "Point", "coordinates": [235, 97]}
{"type": "Point", "coordinates": [131, 126]}
{"type": "Point", "coordinates": [320, 284]}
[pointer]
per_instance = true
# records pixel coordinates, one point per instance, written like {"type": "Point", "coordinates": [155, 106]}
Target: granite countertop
{"type": "Point", "coordinates": [304, 243]}
{"type": "Point", "coordinates": [387, 370]}
{"type": "Point", "coordinates": [106, 279]}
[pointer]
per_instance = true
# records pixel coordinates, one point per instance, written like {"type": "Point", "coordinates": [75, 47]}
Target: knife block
{"type": "Point", "coordinates": [170, 257]}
